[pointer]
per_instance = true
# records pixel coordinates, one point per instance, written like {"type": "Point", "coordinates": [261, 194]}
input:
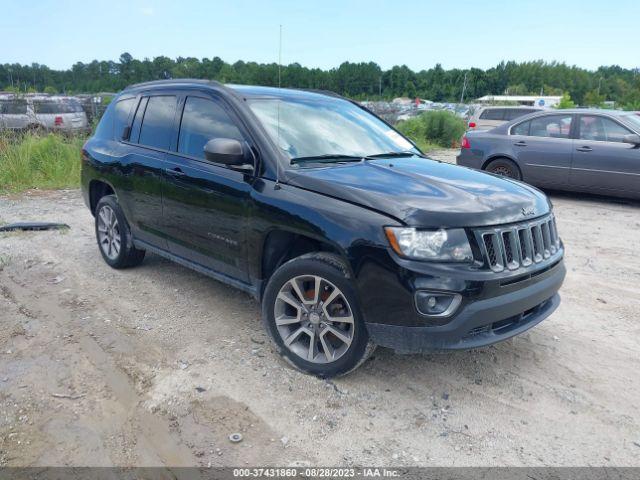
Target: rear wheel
{"type": "Point", "coordinates": [114, 236]}
{"type": "Point", "coordinates": [310, 310]}
{"type": "Point", "coordinates": [504, 167]}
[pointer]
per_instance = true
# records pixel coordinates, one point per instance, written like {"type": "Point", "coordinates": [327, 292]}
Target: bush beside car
{"type": "Point", "coordinates": [437, 128]}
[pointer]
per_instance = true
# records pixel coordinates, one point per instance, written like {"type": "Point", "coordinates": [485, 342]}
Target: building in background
{"type": "Point", "coordinates": [540, 101]}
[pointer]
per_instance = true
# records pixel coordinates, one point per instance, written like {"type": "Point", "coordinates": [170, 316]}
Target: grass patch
{"type": "Point", "coordinates": [43, 161]}
{"type": "Point", "coordinates": [434, 129]}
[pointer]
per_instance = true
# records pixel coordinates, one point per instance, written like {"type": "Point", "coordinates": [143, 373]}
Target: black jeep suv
{"type": "Point", "coordinates": [337, 223]}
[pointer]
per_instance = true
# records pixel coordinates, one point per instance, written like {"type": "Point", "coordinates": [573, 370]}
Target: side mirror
{"type": "Point", "coordinates": [632, 138]}
{"type": "Point", "coordinates": [225, 150]}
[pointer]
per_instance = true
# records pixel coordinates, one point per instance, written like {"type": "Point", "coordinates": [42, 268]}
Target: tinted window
{"type": "Point", "coordinates": [13, 107]}
{"type": "Point", "coordinates": [137, 120]}
{"type": "Point", "coordinates": [492, 114]}
{"type": "Point", "coordinates": [202, 121]}
{"type": "Point", "coordinates": [594, 127]}
{"type": "Point", "coordinates": [555, 126]}
{"type": "Point", "coordinates": [521, 129]}
{"type": "Point", "coordinates": [157, 122]}
{"type": "Point", "coordinates": [53, 107]}
{"type": "Point", "coordinates": [121, 115]}
{"type": "Point", "coordinates": [513, 113]}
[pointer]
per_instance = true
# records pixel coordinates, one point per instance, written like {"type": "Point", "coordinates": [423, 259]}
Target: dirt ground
{"type": "Point", "coordinates": [158, 365]}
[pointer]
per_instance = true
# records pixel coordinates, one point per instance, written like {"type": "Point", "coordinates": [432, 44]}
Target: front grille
{"type": "Point", "coordinates": [520, 245]}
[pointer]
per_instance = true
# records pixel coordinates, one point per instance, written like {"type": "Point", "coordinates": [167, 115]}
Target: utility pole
{"type": "Point", "coordinates": [599, 84]}
{"type": "Point", "coordinates": [380, 87]}
{"type": "Point", "coordinates": [464, 87]}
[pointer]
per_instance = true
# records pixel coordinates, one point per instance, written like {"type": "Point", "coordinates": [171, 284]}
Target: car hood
{"type": "Point", "coordinates": [426, 193]}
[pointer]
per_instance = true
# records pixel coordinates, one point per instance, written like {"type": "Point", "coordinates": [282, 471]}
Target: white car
{"type": "Point", "coordinates": [486, 118]}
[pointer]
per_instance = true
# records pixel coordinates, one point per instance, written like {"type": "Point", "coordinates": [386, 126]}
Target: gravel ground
{"type": "Point", "coordinates": [158, 365]}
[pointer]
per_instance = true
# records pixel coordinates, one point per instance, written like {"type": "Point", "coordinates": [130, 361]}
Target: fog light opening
{"type": "Point", "coordinates": [437, 304]}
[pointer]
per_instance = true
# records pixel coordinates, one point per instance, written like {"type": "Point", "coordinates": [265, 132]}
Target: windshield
{"type": "Point", "coordinates": [634, 120]}
{"type": "Point", "coordinates": [326, 126]}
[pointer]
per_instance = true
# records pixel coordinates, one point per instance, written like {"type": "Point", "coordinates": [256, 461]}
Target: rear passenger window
{"type": "Point", "coordinates": [121, 115]}
{"type": "Point", "coordinates": [203, 120]}
{"type": "Point", "coordinates": [555, 126]}
{"type": "Point", "coordinates": [492, 114]}
{"type": "Point", "coordinates": [157, 122]}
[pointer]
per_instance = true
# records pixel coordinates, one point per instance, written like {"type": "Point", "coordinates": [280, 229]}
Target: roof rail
{"type": "Point", "coordinates": [171, 81]}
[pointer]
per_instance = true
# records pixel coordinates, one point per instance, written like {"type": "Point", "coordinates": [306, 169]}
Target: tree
{"type": "Point", "coordinates": [565, 101]}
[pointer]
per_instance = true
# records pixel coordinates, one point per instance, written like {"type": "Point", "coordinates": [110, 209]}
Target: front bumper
{"type": "Point", "coordinates": [481, 321]}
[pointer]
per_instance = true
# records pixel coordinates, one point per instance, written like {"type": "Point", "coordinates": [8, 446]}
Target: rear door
{"type": "Point", "coordinates": [601, 159]}
{"type": "Point", "coordinates": [206, 204]}
{"type": "Point", "coordinates": [543, 148]}
{"type": "Point", "coordinates": [141, 178]}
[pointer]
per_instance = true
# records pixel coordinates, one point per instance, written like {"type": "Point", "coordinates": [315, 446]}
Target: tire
{"type": "Point", "coordinates": [113, 235]}
{"type": "Point", "coordinates": [504, 167]}
{"type": "Point", "coordinates": [341, 340]}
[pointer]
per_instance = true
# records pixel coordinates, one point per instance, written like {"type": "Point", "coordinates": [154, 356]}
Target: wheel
{"type": "Point", "coordinates": [311, 312]}
{"type": "Point", "coordinates": [114, 236]}
{"type": "Point", "coordinates": [504, 167]}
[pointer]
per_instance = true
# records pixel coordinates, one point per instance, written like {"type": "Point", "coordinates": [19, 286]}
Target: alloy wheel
{"type": "Point", "coordinates": [109, 237]}
{"type": "Point", "coordinates": [503, 170]}
{"type": "Point", "coordinates": [314, 319]}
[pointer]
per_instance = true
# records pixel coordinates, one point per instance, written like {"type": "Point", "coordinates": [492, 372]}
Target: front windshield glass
{"type": "Point", "coordinates": [634, 119]}
{"type": "Point", "coordinates": [326, 126]}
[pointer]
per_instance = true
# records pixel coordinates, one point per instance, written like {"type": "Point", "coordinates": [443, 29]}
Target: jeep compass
{"type": "Point", "coordinates": [343, 230]}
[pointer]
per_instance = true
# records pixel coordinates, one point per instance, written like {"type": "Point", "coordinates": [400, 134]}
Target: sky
{"type": "Point", "coordinates": [454, 33]}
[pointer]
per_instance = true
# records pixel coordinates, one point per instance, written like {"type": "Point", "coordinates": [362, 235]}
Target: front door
{"type": "Point", "coordinates": [205, 204]}
{"type": "Point", "coordinates": [601, 159]}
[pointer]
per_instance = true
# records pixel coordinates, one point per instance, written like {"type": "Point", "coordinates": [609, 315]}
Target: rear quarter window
{"type": "Point", "coordinates": [13, 107]}
{"type": "Point", "coordinates": [521, 129]}
{"type": "Point", "coordinates": [121, 116]}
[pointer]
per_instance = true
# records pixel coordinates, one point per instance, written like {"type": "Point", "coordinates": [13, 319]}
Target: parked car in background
{"type": "Point", "coordinates": [345, 232]}
{"type": "Point", "coordinates": [59, 114]}
{"type": "Point", "coordinates": [15, 114]}
{"type": "Point", "coordinates": [486, 118]}
{"type": "Point", "coordinates": [595, 151]}
{"type": "Point", "coordinates": [54, 113]}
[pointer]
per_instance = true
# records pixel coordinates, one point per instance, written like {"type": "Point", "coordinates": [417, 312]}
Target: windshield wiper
{"type": "Point", "coordinates": [328, 158]}
{"type": "Point", "coordinates": [405, 153]}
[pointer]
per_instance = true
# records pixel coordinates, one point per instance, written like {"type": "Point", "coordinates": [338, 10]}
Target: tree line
{"type": "Point", "coordinates": [365, 80]}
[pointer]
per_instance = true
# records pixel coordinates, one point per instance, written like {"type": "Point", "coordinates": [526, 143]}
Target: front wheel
{"type": "Point", "coordinates": [311, 312]}
{"type": "Point", "coordinates": [504, 167]}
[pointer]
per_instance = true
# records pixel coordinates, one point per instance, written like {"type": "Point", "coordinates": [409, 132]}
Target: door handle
{"type": "Point", "coordinates": [584, 149]}
{"type": "Point", "coordinates": [174, 172]}
{"type": "Point", "coordinates": [521, 143]}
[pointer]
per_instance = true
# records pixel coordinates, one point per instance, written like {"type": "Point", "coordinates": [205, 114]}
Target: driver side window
{"type": "Point", "coordinates": [601, 129]}
{"type": "Point", "coordinates": [204, 120]}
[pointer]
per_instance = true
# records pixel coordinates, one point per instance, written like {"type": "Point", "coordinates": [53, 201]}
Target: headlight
{"type": "Point", "coordinates": [442, 245]}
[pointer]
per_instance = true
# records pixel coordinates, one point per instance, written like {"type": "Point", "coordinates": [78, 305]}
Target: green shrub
{"type": "Point", "coordinates": [439, 128]}
{"type": "Point", "coordinates": [30, 160]}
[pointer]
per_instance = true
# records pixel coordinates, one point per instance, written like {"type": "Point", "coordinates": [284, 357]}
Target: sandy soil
{"type": "Point", "coordinates": [158, 365]}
